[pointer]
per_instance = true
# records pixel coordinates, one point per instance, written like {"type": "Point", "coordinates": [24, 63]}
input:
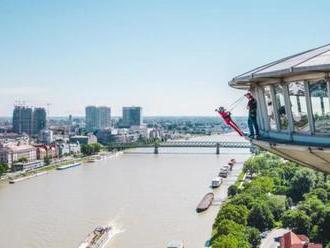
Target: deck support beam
{"type": "Point", "coordinates": [218, 149]}
{"type": "Point", "coordinates": [156, 149]}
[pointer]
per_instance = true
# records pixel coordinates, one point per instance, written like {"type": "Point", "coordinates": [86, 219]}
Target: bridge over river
{"type": "Point", "coordinates": [203, 144]}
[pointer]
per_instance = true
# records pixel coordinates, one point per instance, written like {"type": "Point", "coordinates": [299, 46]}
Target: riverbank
{"type": "Point", "coordinates": [53, 166]}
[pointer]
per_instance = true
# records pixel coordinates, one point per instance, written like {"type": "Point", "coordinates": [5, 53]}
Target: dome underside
{"type": "Point", "coordinates": [314, 60]}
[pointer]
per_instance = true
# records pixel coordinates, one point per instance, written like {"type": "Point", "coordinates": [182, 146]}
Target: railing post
{"type": "Point", "coordinates": [156, 149]}
{"type": "Point", "coordinates": [218, 149]}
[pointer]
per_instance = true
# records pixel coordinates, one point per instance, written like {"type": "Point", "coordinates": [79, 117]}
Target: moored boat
{"type": "Point", "coordinates": [224, 171]}
{"type": "Point", "coordinates": [67, 166]}
{"type": "Point", "coordinates": [11, 181]}
{"type": "Point", "coordinates": [216, 182]}
{"type": "Point", "coordinates": [205, 202]}
{"type": "Point", "coordinates": [98, 238]}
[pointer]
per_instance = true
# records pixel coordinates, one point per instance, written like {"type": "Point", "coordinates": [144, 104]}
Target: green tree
{"type": "Point", "coordinates": [254, 164]}
{"type": "Point", "coordinates": [232, 190]}
{"type": "Point", "coordinates": [261, 217]}
{"type": "Point", "coordinates": [3, 168]}
{"type": "Point", "coordinates": [297, 220]}
{"type": "Point", "coordinates": [227, 227]}
{"type": "Point", "coordinates": [313, 207]}
{"type": "Point", "coordinates": [236, 213]}
{"type": "Point", "coordinates": [90, 149]}
{"type": "Point", "coordinates": [277, 205]}
{"type": "Point", "coordinates": [261, 185]}
{"type": "Point", "coordinates": [47, 160]}
{"type": "Point", "coordinates": [22, 160]}
{"type": "Point", "coordinates": [324, 226]}
{"type": "Point", "coordinates": [96, 147]}
{"type": "Point", "coordinates": [320, 193]}
{"type": "Point", "coordinates": [246, 199]}
{"type": "Point", "coordinates": [253, 235]}
{"type": "Point", "coordinates": [86, 150]}
{"type": "Point", "coordinates": [302, 182]}
{"type": "Point", "coordinates": [230, 241]}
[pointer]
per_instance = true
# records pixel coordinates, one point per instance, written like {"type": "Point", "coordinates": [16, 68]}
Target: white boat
{"type": "Point", "coordinates": [224, 172]}
{"type": "Point", "coordinates": [98, 238]}
{"type": "Point", "coordinates": [63, 167]}
{"type": "Point", "coordinates": [175, 244]}
{"type": "Point", "coordinates": [216, 182]}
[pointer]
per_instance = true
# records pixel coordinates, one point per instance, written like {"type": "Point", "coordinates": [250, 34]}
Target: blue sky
{"type": "Point", "coordinates": [171, 57]}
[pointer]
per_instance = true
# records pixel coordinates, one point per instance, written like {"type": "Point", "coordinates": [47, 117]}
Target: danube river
{"type": "Point", "coordinates": [149, 199]}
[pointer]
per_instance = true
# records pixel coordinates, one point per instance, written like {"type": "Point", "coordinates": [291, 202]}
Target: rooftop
{"type": "Point", "coordinates": [292, 240]}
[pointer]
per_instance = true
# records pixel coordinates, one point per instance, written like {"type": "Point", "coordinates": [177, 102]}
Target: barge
{"type": "Point", "coordinates": [12, 181]}
{"type": "Point", "coordinates": [205, 203]}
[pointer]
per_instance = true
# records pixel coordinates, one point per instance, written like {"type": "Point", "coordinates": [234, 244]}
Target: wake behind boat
{"type": "Point", "coordinates": [98, 238]}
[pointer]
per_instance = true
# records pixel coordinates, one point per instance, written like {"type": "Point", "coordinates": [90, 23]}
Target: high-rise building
{"type": "Point", "coordinates": [46, 136]}
{"type": "Point", "coordinates": [39, 120]}
{"type": "Point", "coordinates": [104, 117]}
{"type": "Point", "coordinates": [98, 117]}
{"type": "Point", "coordinates": [22, 120]}
{"type": "Point", "coordinates": [91, 117]}
{"type": "Point", "coordinates": [29, 121]}
{"type": "Point", "coordinates": [132, 116]}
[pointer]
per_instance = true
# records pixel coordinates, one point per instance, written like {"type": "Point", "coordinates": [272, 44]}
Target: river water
{"type": "Point", "coordinates": [149, 199]}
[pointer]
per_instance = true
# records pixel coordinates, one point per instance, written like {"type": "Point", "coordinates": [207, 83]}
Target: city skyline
{"type": "Point", "coordinates": [158, 55]}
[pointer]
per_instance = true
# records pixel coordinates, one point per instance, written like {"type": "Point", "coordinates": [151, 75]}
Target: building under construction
{"type": "Point", "coordinates": [28, 120]}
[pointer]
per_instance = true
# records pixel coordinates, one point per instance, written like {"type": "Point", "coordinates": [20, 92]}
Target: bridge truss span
{"type": "Point", "coordinates": [174, 143]}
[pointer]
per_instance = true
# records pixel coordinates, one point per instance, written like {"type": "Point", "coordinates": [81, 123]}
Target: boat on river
{"type": "Point", "coordinates": [67, 166]}
{"type": "Point", "coordinates": [175, 244]}
{"type": "Point", "coordinates": [216, 182]}
{"type": "Point", "coordinates": [98, 238]}
{"type": "Point", "coordinates": [11, 181]}
{"type": "Point", "coordinates": [224, 171]}
{"type": "Point", "coordinates": [205, 202]}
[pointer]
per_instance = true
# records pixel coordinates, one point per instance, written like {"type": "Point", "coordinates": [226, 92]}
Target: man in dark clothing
{"type": "Point", "coordinates": [252, 120]}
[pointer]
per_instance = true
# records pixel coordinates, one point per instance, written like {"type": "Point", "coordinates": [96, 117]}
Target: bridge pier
{"type": "Point", "coordinates": [156, 149]}
{"type": "Point", "coordinates": [218, 149]}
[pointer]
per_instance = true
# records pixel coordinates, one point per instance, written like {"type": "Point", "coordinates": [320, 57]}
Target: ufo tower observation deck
{"type": "Point", "coordinates": [293, 106]}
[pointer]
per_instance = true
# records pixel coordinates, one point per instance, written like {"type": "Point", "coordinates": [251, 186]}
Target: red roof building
{"type": "Point", "coordinates": [292, 240]}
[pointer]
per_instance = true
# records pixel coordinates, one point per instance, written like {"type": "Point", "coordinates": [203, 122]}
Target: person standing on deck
{"type": "Point", "coordinates": [252, 120]}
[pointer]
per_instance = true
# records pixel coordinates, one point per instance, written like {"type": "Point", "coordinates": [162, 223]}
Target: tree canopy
{"type": "Point", "coordinates": [281, 194]}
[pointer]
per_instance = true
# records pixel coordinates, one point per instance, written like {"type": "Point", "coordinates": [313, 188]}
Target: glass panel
{"type": "Point", "coordinates": [270, 109]}
{"type": "Point", "coordinates": [297, 96]}
{"type": "Point", "coordinates": [320, 105]}
{"type": "Point", "coordinates": [280, 107]}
